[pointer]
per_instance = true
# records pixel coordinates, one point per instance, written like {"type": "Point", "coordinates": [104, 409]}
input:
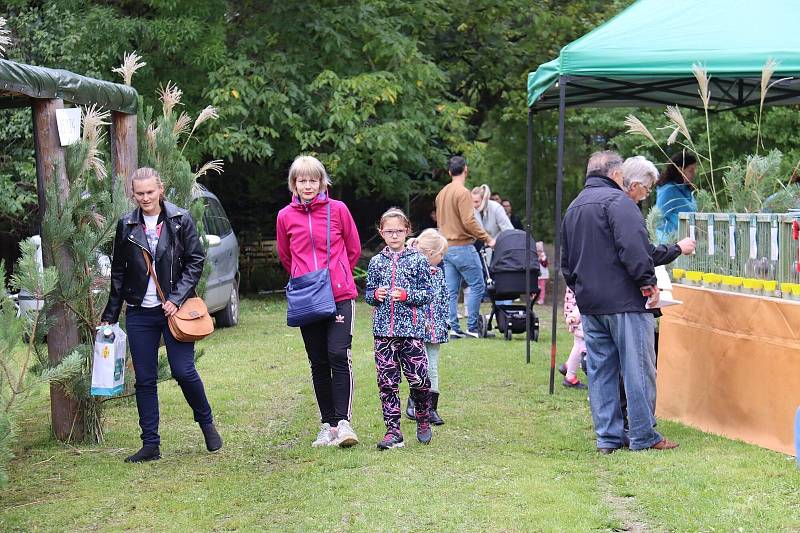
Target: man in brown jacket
{"type": "Point", "coordinates": [455, 216]}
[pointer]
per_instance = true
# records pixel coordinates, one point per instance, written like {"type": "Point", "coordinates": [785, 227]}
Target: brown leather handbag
{"type": "Point", "coordinates": [191, 322]}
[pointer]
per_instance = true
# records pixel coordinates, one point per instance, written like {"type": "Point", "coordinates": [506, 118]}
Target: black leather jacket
{"type": "Point", "coordinates": [179, 260]}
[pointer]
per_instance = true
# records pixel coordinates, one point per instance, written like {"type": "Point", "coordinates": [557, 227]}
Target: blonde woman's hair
{"type": "Point", "coordinates": [142, 174]}
{"type": "Point", "coordinates": [431, 241]}
{"type": "Point", "coordinates": [485, 193]}
{"type": "Point", "coordinates": [394, 212]}
{"type": "Point", "coordinates": [310, 167]}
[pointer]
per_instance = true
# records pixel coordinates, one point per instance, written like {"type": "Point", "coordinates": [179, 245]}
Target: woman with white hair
{"type": "Point", "coordinates": [639, 176]}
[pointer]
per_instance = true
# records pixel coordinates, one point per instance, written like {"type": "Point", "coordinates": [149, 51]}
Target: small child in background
{"type": "Point", "coordinates": [433, 246]}
{"type": "Point", "coordinates": [572, 316]}
{"type": "Point", "coordinates": [399, 287]}
{"type": "Point", "coordinates": [544, 272]}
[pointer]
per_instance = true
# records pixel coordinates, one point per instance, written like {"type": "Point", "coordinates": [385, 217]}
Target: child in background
{"type": "Point", "coordinates": [572, 316]}
{"type": "Point", "coordinates": [433, 246]}
{"type": "Point", "coordinates": [399, 287]}
{"type": "Point", "coordinates": [544, 272]}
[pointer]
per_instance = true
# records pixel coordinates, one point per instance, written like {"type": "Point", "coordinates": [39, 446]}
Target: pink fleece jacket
{"type": "Point", "coordinates": [298, 223]}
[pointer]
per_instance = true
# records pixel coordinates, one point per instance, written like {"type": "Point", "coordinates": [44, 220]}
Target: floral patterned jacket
{"type": "Point", "coordinates": [438, 319]}
{"type": "Point", "coordinates": [407, 270]}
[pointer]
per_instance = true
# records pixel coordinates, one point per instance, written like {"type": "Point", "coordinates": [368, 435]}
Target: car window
{"type": "Point", "coordinates": [209, 220]}
{"type": "Point", "coordinates": [217, 218]}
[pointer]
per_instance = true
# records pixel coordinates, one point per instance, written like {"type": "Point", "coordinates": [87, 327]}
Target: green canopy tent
{"type": "Point", "coordinates": [645, 56]}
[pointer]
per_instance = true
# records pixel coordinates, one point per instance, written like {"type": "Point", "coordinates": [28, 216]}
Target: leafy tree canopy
{"type": "Point", "coordinates": [381, 91]}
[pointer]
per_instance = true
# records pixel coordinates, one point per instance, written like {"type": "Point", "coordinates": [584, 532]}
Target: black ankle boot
{"type": "Point", "coordinates": [434, 417]}
{"type": "Point", "coordinates": [411, 410]}
{"type": "Point", "coordinates": [213, 439]}
{"type": "Point", "coordinates": [148, 452]}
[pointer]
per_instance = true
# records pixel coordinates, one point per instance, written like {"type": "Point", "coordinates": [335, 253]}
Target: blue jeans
{"type": "Point", "coordinates": [145, 326]}
{"type": "Point", "coordinates": [617, 344]}
{"type": "Point", "coordinates": [462, 262]}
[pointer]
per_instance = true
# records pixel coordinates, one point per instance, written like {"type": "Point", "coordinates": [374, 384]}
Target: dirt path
{"type": "Point", "coordinates": [624, 507]}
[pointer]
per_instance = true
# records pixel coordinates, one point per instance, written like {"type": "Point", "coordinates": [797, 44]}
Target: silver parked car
{"type": "Point", "coordinates": [222, 285]}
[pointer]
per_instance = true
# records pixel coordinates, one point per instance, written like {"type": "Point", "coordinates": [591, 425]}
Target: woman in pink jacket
{"type": "Point", "coordinates": [302, 238]}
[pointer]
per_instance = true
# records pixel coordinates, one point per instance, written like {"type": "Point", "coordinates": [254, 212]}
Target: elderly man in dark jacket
{"type": "Point", "coordinates": [607, 261]}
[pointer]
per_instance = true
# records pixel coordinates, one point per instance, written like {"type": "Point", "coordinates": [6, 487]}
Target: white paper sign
{"type": "Point", "coordinates": [732, 238]}
{"type": "Point", "coordinates": [69, 125]}
{"type": "Point", "coordinates": [773, 237]}
{"type": "Point", "coordinates": [711, 247]}
{"type": "Point", "coordinates": [753, 242]}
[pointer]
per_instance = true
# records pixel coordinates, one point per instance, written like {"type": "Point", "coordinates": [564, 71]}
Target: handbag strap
{"type": "Point", "coordinates": [328, 244]}
{"type": "Point", "coordinates": [152, 273]}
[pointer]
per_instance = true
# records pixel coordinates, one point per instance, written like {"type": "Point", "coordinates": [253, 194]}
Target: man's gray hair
{"type": "Point", "coordinates": [639, 169]}
{"type": "Point", "coordinates": [603, 163]}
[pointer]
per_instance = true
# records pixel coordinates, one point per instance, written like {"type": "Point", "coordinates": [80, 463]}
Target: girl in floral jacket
{"type": "Point", "coordinates": [399, 287]}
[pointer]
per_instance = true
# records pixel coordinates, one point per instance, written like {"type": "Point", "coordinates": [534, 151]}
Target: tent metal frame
{"type": "Point", "coordinates": [732, 92]}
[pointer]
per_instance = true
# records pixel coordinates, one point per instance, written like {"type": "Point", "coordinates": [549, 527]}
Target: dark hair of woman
{"type": "Point", "coordinates": [671, 174]}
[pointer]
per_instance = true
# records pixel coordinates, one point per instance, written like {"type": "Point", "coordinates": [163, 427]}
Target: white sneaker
{"type": "Point", "coordinates": [346, 437]}
{"type": "Point", "coordinates": [325, 437]}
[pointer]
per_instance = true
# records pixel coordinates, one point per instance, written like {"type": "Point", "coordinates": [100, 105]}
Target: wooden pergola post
{"type": "Point", "coordinates": [123, 147]}
{"type": "Point", "coordinates": [124, 161]}
{"type": "Point", "coordinates": [62, 337]}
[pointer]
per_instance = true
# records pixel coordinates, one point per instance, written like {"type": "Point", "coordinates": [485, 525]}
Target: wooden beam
{"type": "Point", "coordinates": [62, 337]}
{"type": "Point", "coordinates": [124, 156]}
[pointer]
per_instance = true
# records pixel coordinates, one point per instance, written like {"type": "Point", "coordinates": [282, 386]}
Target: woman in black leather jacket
{"type": "Point", "coordinates": [166, 233]}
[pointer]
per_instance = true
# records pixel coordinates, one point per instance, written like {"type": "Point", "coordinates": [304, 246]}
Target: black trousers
{"type": "Point", "coordinates": [328, 344]}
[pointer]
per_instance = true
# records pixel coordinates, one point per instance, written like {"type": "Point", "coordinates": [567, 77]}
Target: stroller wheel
{"type": "Point", "coordinates": [509, 333]}
{"type": "Point", "coordinates": [534, 328]}
{"type": "Point", "coordinates": [483, 325]}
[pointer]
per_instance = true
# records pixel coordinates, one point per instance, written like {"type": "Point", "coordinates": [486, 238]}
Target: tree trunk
{"type": "Point", "coordinates": [62, 337]}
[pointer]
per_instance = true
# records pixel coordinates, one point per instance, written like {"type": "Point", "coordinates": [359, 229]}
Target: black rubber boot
{"type": "Point", "coordinates": [434, 417]}
{"type": "Point", "coordinates": [411, 411]}
{"type": "Point", "coordinates": [146, 453]}
{"type": "Point", "coordinates": [213, 439]}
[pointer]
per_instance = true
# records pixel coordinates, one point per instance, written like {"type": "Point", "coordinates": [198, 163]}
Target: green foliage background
{"type": "Point", "coordinates": [381, 91]}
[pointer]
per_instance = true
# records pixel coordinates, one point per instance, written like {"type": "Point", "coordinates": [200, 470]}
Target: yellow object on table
{"type": "Point", "coordinates": [786, 289]}
{"type": "Point", "coordinates": [752, 285]}
{"type": "Point", "coordinates": [694, 276]}
{"type": "Point", "coordinates": [678, 273]}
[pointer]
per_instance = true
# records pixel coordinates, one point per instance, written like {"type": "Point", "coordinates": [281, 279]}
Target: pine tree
{"type": "Point", "coordinates": [22, 363]}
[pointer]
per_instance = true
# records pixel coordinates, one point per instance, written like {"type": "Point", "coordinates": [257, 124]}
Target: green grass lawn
{"type": "Point", "coordinates": [510, 457]}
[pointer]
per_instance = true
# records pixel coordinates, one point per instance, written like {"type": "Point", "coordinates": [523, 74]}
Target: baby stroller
{"type": "Point", "coordinates": [505, 280]}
